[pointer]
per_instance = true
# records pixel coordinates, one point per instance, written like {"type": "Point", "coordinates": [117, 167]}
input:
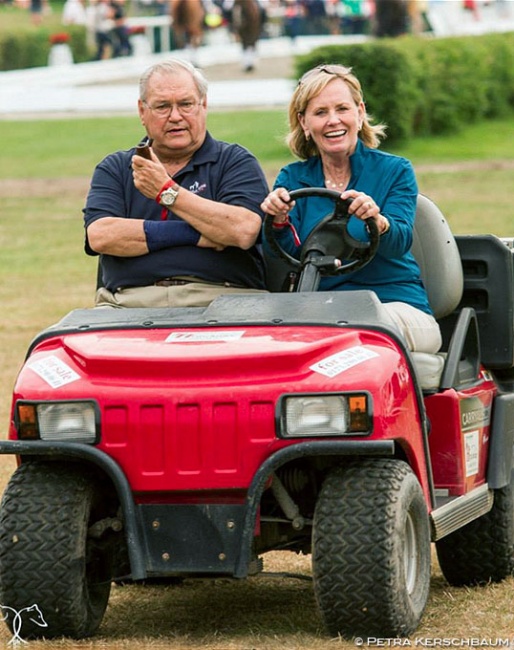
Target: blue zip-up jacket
{"type": "Point", "coordinates": [390, 180]}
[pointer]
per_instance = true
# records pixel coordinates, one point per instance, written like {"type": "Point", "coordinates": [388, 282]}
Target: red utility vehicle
{"type": "Point", "coordinates": [179, 443]}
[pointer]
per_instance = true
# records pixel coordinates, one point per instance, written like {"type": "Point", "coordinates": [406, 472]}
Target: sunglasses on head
{"type": "Point", "coordinates": [334, 69]}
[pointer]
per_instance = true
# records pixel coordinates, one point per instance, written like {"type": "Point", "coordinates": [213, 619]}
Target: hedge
{"type": "Point", "coordinates": [30, 49]}
{"type": "Point", "coordinates": [424, 86]}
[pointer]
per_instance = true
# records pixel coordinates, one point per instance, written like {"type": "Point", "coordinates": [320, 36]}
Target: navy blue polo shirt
{"type": "Point", "coordinates": [223, 172]}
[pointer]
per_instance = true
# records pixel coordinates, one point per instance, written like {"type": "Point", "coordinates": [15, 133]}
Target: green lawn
{"type": "Point", "coordinates": [469, 174]}
{"type": "Point", "coordinates": [70, 147]}
{"type": "Point", "coordinates": [15, 17]}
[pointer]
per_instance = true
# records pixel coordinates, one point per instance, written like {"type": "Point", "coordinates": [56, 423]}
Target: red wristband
{"type": "Point", "coordinates": [166, 185]}
{"type": "Point", "coordinates": [287, 224]}
{"type": "Point", "coordinates": [281, 224]}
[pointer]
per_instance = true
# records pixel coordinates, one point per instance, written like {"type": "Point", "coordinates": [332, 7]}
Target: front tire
{"type": "Point", "coordinates": [46, 556]}
{"type": "Point", "coordinates": [371, 550]}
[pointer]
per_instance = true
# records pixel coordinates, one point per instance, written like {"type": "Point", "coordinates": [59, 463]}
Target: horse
{"type": "Point", "coordinates": [187, 18]}
{"type": "Point", "coordinates": [247, 20]}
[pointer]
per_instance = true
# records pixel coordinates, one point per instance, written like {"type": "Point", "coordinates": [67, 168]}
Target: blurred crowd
{"type": "Point", "coordinates": [246, 21]}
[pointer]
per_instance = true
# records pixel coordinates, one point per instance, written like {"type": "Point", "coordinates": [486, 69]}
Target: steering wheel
{"type": "Point", "coordinates": [330, 237]}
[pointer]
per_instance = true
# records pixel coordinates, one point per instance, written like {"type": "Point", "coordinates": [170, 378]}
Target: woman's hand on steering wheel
{"type": "Point", "coordinates": [364, 207]}
{"type": "Point", "coordinates": [330, 237]}
{"type": "Point", "coordinates": [278, 204]}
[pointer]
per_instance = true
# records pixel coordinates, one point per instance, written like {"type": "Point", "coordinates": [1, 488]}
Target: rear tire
{"type": "Point", "coordinates": [46, 556]}
{"type": "Point", "coordinates": [482, 551]}
{"type": "Point", "coordinates": [371, 550]}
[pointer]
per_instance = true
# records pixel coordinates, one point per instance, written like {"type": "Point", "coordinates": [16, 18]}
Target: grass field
{"type": "Point", "coordinates": [43, 184]}
{"type": "Point", "coordinates": [15, 15]}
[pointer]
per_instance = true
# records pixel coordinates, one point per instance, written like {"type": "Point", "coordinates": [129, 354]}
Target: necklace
{"type": "Point", "coordinates": [330, 183]}
{"type": "Point", "coordinates": [337, 186]}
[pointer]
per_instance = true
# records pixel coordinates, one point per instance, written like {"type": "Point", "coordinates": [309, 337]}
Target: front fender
{"type": "Point", "coordinates": [79, 451]}
{"type": "Point", "coordinates": [343, 448]}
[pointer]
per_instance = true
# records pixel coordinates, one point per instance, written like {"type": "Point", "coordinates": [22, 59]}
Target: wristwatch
{"type": "Point", "coordinates": [168, 194]}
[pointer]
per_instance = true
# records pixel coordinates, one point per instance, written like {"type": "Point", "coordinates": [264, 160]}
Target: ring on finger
{"type": "Point", "coordinates": [370, 205]}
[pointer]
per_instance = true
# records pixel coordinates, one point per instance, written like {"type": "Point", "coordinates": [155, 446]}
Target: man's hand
{"type": "Point", "coordinates": [149, 175]}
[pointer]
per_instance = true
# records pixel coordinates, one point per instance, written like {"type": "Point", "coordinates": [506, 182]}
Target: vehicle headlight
{"type": "Point", "coordinates": [58, 421]}
{"type": "Point", "coordinates": [325, 415]}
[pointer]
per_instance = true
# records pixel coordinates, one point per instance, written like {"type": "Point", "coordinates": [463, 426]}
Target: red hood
{"type": "Point", "coordinates": [216, 355]}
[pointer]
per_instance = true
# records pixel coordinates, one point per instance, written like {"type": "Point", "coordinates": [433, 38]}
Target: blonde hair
{"type": "Point", "coordinates": [309, 86]}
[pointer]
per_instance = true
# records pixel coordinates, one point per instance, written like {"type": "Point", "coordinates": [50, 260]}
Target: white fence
{"type": "Point", "coordinates": [151, 24]}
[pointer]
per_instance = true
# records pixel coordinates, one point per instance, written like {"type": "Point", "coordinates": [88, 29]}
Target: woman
{"type": "Point", "coordinates": [336, 142]}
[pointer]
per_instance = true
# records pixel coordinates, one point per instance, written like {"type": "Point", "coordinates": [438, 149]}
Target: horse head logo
{"type": "Point", "coordinates": [34, 615]}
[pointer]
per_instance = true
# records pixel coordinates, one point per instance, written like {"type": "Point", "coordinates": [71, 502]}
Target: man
{"type": "Point", "coordinates": [391, 18]}
{"type": "Point", "coordinates": [180, 228]}
{"type": "Point", "coordinates": [102, 19]}
{"type": "Point", "coordinates": [121, 45]}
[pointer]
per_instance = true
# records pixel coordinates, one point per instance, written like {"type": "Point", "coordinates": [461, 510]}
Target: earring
{"type": "Point", "coordinates": [307, 135]}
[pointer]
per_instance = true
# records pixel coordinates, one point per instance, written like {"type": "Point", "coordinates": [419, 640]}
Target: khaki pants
{"type": "Point", "coordinates": [420, 330]}
{"type": "Point", "coordinates": [194, 294]}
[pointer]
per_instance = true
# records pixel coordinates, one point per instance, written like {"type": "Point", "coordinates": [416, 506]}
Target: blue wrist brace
{"type": "Point", "coordinates": [165, 234]}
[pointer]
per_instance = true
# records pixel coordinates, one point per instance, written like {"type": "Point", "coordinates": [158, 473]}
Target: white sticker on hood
{"type": "Point", "coordinates": [54, 371]}
{"type": "Point", "coordinates": [341, 361]}
{"type": "Point", "coordinates": [200, 337]}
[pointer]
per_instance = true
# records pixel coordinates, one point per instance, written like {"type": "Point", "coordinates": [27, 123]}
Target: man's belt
{"type": "Point", "coordinates": [179, 281]}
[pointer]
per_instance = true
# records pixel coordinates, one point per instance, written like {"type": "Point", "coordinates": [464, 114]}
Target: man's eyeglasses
{"type": "Point", "coordinates": [335, 69]}
{"type": "Point", "coordinates": [164, 109]}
